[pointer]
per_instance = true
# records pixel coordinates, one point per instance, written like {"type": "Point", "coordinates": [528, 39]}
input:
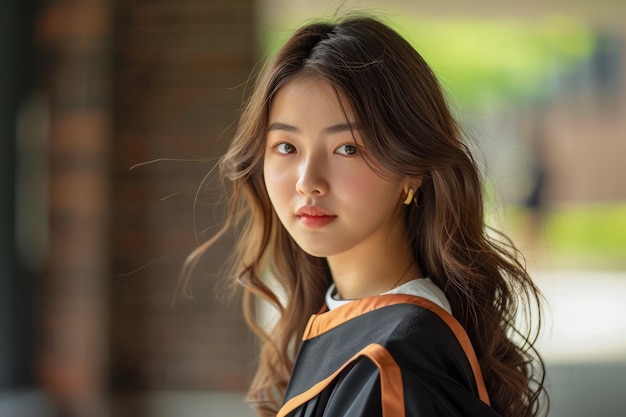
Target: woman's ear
{"type": "Point", "coordinates": [417, 182]}
{"type": "Point", "coordinates": [412, 183]}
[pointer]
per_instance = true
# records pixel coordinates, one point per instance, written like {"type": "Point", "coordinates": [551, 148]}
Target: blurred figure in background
{"type": "Point", "coordinates": [536, 203]}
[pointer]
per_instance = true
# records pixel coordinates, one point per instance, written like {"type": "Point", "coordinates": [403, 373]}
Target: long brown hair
{"type": "Point", "coordinates": [408, 129]}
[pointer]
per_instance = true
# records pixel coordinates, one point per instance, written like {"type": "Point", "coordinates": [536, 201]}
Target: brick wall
{"type": "Point", "coordinates": [130, 82]}
{"type": "Point", "coordinates": [178, 66]}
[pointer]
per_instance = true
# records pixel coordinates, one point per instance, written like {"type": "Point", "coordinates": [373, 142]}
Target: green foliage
{"type": "Point", "coordinates": [482, 61]}
{"type": "Point", "coordinates": [578, 236]}
{"type": "Point", "coordinates": [590, 231]}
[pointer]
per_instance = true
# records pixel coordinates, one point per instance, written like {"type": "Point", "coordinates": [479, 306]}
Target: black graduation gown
{"type": "Point", "coordinates": [390, 356]}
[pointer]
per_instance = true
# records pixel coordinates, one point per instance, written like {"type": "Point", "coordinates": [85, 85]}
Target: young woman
{"type": "Point", "coordinates": [361, 221]}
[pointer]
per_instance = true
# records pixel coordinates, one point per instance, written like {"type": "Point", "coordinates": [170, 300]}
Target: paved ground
{"type": "Point", "coordinates": [584, 344]}
{"type": "Point", "coordinates": [185, 404]}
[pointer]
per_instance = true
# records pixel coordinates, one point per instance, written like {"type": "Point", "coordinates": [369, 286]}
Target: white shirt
{"type": "Point", "coordinates": [421, 287]}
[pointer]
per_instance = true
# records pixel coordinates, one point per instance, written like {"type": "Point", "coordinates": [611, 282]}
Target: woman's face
{"type": "Point", "coordinates": [325, 194]}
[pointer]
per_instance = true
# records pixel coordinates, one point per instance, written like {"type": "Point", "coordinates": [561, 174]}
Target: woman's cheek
{"type": "Point", "coordinates": [356, 183]}
{"type": "Point", "coordinates": [278, 181]}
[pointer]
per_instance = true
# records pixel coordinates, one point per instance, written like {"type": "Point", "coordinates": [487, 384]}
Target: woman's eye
{"type": "Point", "coordinates": [348, 150]}
{"type": "Point", "coordinates": [285, 148]}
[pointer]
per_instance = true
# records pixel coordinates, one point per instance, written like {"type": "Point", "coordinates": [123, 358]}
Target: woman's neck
{"type": "Point", "coordinates": [365, 272]}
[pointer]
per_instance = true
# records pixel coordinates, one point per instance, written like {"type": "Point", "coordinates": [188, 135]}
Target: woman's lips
{"type": "Point", "coordinates": [316, 221]}
{"type": "Point", "coordinates": [314, 216]}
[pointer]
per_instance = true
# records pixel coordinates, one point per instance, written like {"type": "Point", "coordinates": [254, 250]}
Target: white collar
{"type": "Point", "coordinates": [421, 287]}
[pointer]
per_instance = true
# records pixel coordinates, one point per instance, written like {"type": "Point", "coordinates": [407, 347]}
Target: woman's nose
{"type": "Point", "coordinates": [312, 181]}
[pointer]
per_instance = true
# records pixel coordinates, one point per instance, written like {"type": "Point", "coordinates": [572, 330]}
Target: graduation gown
{"type": "Point", "coordinates": [390, 355]}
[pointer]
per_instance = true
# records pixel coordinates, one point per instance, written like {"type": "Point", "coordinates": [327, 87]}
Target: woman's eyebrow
{"type": "Point", "coordinates": [340, 128]}
{"type": "Point", "coordinates": [283, 126]}
{"type": "Point", "coordinates": [334, 129]}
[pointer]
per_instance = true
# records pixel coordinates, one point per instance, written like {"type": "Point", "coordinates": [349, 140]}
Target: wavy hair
{"type": "Point", "coordinates": [408, 129]}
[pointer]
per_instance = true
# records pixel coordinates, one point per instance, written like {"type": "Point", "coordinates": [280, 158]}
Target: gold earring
{"type": "Point", "coordinates": [409, 197]}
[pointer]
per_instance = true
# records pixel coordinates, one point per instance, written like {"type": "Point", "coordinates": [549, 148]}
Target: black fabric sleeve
{"type": "Point", "coordinates": [354, 393]}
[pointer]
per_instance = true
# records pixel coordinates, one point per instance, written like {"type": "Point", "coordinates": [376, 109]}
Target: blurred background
{"type": "Point", "coordinates": [113, 112]}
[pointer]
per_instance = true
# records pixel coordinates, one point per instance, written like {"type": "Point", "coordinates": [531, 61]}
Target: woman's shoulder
{"type": "Point", "coordinates": [415, 331]}
{"type": "Point", "coordinates": [397, 336]}
{"type": "Point", "coordinates": [382, 315]}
